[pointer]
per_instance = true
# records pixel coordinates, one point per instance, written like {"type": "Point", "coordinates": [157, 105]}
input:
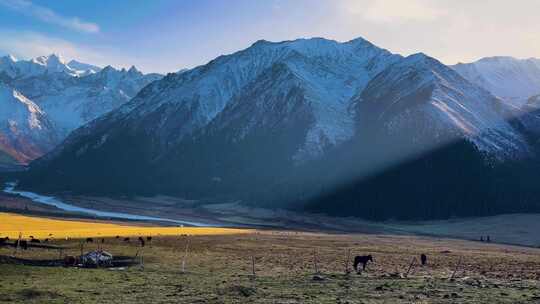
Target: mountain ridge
{"type": "Point", "coordinates": [70, 97]}
{"type": "Point", "coordinates": [288, 122]}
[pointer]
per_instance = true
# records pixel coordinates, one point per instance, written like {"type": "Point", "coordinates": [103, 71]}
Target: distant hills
{"type": "Point", "coordinates": [314, 124]}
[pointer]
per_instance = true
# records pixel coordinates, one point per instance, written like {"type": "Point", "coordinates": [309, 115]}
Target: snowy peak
{"type": "Point", "coordinates": [514, 80]}
{"type": "Point", "coordinates": [534, 102]}
{"type": "Point", "coordinates": [331, 73]}
{"type": "Point", "coordinates": [441, 105]}
{"type": "Point", "coordinates": [50, 61]}
{"type": "Point", "coordinates": [83, 68]}
{"type": "Point", "coordinates": [41, 65]}
{"type": "Point", "coordinates": [134, 71]}
{"type": "Point", "coordinates": [68, 94]}
{"type": "Point", "coordinates": [25, 131]}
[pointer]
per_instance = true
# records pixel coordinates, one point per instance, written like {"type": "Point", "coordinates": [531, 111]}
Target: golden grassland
{"type": "Point", "coordinates": [13, 224]}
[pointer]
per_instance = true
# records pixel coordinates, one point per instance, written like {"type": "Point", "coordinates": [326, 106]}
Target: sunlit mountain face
{"type": "Point", "coordinates": [314, 124]}
{"type": "Point", "coordinates": [44, 99]}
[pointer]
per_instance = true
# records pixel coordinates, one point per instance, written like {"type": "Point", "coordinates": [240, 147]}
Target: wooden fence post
{"type": "Point", "coordinates": [347, 262]}
{"type": "Point", "coordinates": [185, 256]}
{"type": "Point", "coordinates": [457, 268]}
{"type": "Point", "coordinates": [315, 262]}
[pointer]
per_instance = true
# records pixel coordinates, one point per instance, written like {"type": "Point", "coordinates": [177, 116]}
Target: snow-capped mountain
{"type": "Point", "coordinates": [323, 75]}
{"type": "Point", "coordinates": [437, 106]}
{"type": "Point", "coordinates": [282, 122]}
{"type": "Point", "coordinates": [25, 131]}
{"type": "Point", "coordinates": [511, 79]}
{"type": "Point", "coordinates": [534, 101]}
{"type": "Point", "coordinates": [41, 65]}
{"type": "Point", "coordinates": [187, 101]}
{"type": "Point", "coordinates": [71, 94]}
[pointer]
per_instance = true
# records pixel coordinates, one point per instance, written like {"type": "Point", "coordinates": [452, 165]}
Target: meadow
{"type": "Point", "coordinates": [11, 225]}
{"type": "Point", "coordinates": [277, 267]}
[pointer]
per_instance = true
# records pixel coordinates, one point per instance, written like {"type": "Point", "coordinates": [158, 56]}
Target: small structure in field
{"type": "Point", "coordinates": [97, 258]}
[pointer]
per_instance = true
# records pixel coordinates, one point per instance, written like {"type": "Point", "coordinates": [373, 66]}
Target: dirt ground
{"type": "Point", "coordinates": [290, 267]}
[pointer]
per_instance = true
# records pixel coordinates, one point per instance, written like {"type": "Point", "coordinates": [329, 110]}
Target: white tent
{"type": "Point", "coordinates": [97, 258]}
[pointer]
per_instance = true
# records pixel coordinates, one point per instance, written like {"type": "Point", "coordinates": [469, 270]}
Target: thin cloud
{"type": "Point", "coordinates": [30, 45]}
{"type": "Point", "coordinates": [47, 15]}
{"type": "Point", "coordinates": [387, 11]}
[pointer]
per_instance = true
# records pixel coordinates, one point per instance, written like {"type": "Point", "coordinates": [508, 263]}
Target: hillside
{"type": "Point", "coordinates": [312, 124]}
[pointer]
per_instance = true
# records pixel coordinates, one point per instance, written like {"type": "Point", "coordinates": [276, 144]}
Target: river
{"type": "Point", "coordinates": [52, 201]}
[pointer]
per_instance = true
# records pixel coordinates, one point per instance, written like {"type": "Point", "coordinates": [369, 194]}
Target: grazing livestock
{"type": "Point", "coordinates": [423, 259]}
{"type": "Point", "coordinates": [69, 261]}
{"type": "Point", "coordinates": [126, 240]}
{"type": "Point", "coordinates": [362, 259]}
{"type": "Point", "coordinates": [37, 241]}
{"type": "Point", "coordinates": [141, 240]}
{"type": "Point", "coordinates": [117, 236]}
{"type": "Point", "coordinates": [89, 240]}
{"type": "Point", "coordinates": [149, 238]}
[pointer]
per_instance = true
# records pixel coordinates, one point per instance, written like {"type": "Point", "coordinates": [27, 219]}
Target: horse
{"type": "Point", "coordinates": [423, 259]}
{"type": "Point", "coordinates": [362, 259]}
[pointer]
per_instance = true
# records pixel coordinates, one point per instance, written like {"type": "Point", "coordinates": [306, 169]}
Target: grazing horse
{"type": "Point", "coordinates": [149, 238]}
{"type": "Point", "coordinates": [423, 259]}
{"type": "Point", "coordinates": [126, 240]}
{"type": "Point", "coordinates": [89, 240]}
{"type": "Point", "coordinates": [363, 259]}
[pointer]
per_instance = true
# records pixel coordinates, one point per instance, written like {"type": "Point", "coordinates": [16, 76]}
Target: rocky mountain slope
{"type": "Point", "coordinates": [25, 130]}
{"type": "Point", "coordinates": [70, 94]}
{"type": "Point", "coordinates": [511, 79]}
{"type": "Point", "coordinates": [294, 122]}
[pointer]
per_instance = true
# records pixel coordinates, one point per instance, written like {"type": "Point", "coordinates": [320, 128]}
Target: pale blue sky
{"type": "Point", "coordinates": [167, 35]}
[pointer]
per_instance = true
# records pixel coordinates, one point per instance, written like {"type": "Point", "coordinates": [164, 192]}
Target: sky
{"type": "Point", "coordinates": [168, 35]}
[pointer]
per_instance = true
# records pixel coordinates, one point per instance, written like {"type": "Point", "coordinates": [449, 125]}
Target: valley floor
{"type": "Point", "coordinates": [516, 229]}
{"type": "Point", "coordinates": [218, 269]}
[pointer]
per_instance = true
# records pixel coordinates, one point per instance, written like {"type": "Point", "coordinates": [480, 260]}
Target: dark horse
{"type": "Point", "coordinates": [362, 259]}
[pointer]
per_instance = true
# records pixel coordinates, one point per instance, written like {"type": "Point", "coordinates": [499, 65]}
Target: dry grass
{"type": "Point", "coordinates": [13, 224]}
{"type": "Point", "coordinates": [219, 266]}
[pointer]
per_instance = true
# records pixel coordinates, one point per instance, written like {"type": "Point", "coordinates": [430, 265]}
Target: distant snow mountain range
{"type": "Point", "coordinates": [310, 123]}
{"type": "Point", "coordinates": [513, 80]}
{"type": "Point", "coordinates": [45, 98]}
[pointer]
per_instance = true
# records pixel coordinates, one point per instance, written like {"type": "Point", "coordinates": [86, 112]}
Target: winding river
{"type": "Point", "coordinates": [52, 201]}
